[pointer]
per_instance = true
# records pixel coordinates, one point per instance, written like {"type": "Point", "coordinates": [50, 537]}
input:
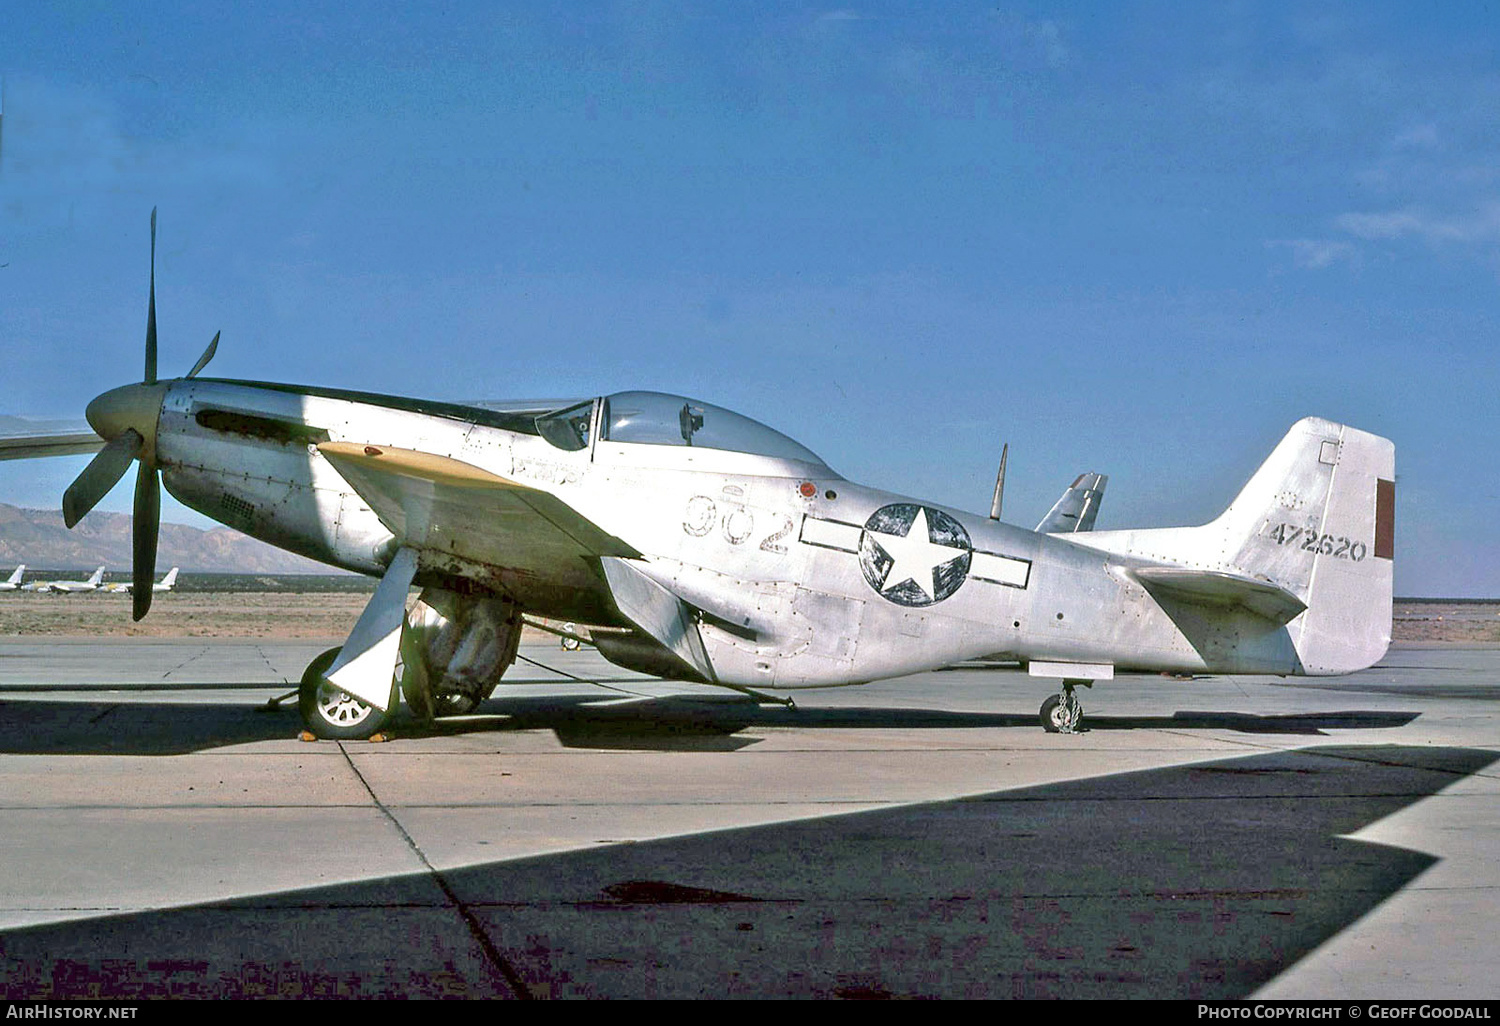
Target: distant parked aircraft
{"type": "Point", "coordinates": [92, 584]}
{"type": "Point", "coordinates": [167, 583]}
{"type": "Point", "coordinates": [14, 581]}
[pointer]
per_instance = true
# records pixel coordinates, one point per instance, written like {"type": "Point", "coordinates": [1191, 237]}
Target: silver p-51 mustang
{"type": "Point", "coordinates": [703, 546]}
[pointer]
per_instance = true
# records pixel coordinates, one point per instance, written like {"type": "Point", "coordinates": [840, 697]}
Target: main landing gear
{"type": "Point", "coordinates": [333, 714]}
{"type": "Point", "coordinates": [452, 650]}
{"type": "Point", "coordinates": [1062, 713]}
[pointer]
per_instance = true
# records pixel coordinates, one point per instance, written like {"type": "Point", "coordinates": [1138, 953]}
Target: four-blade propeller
{"type": "Point", "coordinates": [126, 418]}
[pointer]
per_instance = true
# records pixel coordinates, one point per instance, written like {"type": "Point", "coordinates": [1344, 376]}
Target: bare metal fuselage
{"type": "Point", "coordinates": [774, 552]}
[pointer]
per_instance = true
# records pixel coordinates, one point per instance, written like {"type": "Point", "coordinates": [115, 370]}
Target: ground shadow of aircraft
{"type": "Point", "coordinates": [675, 723]}
{"type": "Point", "coordinates": [1199, 882]}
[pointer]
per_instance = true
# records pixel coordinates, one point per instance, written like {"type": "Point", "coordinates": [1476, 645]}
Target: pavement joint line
{"type": "Point", "coordinates": [267, 660]}
{"type": "Point", "coordinates": [492, 954]}
{"type": "Point", "coordinates": [1238, 742]}
{"type": "Point", "coordinates": [190, 659]}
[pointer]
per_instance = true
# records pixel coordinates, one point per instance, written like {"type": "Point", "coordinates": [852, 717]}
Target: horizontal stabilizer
{"type": "Point", "coordinates": [1221, 588]}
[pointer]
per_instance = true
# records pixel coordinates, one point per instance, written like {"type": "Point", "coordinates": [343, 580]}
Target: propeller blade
{"type": "Point", "coordinates": [144, 527]}
{"type": "Point", "coordinates": [208, 354]}
{"type": "Point", "coordinates": [151, 311]}
{"type": "Point", "coordinates": [102, 473]}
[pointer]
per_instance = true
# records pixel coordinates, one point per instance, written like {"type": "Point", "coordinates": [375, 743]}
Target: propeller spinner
{"type": "Point", "coordinates": [125, 418]}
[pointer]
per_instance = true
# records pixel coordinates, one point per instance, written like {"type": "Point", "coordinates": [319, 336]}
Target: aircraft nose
{"type": "Point", "coordinates": [129, 406]}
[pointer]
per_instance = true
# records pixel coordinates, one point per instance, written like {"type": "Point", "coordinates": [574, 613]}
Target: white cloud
{"type": "Point", "coordinates": [1317, 254]}
{"type": "Point", "coordinates": [1480, 225]}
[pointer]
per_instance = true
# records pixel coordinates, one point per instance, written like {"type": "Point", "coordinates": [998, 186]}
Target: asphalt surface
{"type": "Point", "coordinates": [165, 834]}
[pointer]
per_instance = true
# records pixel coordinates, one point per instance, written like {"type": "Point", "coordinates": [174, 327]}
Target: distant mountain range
{"type": "Point", "coordinates": [38, 538]}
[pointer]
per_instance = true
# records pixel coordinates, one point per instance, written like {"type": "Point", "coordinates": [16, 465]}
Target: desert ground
{"type": "Point", "coordinates": [184, 614]}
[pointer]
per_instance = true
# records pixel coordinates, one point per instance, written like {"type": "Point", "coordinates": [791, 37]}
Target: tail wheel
{"type": "Point", "coordinates": [1060, 714]}
{"type": "Point", "coordinates": [330, 712]}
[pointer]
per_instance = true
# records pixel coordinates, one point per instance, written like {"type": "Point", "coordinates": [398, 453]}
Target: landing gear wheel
{"type": "Point", "coordinates": [330, 712]}
{"type": "Point", "coordinates": [570, 644]}
{"type": "Point", "coordinates": [1062, 713]}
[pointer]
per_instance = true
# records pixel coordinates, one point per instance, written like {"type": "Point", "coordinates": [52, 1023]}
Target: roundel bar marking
{"type": "Point", "coordinates": [914, 555]}
{"type": "Point", "coordinates": [841, 536]}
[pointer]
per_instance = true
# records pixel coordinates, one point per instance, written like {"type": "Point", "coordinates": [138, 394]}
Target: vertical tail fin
{"type": "Point", "coordinates": [1318, 519]}
{"type": "Point", "coordinates": [1317, 522]}
{"type": "Point", "coordinates": [97, 577]}
{"type": "Point", "coordinates": [168, 581]}
{"type": "Point", "coordinates": [15, 578]}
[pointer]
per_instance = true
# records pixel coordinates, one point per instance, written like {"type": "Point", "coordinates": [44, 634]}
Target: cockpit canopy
{"type": "Point", "coordinates": [653, 418]}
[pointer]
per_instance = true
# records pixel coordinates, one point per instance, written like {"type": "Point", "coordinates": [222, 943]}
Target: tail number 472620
{"type": "Point", "coordinates": [1309, 540]}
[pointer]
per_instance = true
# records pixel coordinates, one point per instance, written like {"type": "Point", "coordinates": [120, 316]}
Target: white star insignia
{"type": "Point", "coordinates": [915, 556]}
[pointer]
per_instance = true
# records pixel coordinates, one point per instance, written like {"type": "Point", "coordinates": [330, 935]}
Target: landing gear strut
{"type": "Point", "coordinates": [1062, 713]}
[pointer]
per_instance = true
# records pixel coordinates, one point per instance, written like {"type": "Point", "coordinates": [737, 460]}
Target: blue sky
{"type": "Point", "coordinates": [1141, 239]}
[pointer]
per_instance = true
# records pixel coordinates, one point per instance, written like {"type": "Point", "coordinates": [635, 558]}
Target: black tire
{"type": "Point", "coordinates": [332, 714]}
{"type": "Point", "coordinates": [1051, 720]}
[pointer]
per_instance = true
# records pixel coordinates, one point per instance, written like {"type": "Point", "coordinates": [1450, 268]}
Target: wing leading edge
{"type": "Point", "coordinates": [35, 446]}
{"type": "Point", "coordinates": [438, 503]}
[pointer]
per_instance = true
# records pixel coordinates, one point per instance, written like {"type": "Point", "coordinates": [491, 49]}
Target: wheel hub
{"type": "Point", "coordinates": [341, 708]}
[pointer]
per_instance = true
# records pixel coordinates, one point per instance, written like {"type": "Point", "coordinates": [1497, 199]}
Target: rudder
{"type": "Point", "coordinates": [1318, 518]}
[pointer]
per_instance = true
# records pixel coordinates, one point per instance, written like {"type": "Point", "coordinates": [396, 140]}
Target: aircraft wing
{"type": "Point", "coordinates": [22, 439]}
{"type": "Point", "coordinates": [1221, 588]}
{"type": "Point", "coordinates": [1078, 507]}
{"type": "Point", "coordinates": [434, 502]}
